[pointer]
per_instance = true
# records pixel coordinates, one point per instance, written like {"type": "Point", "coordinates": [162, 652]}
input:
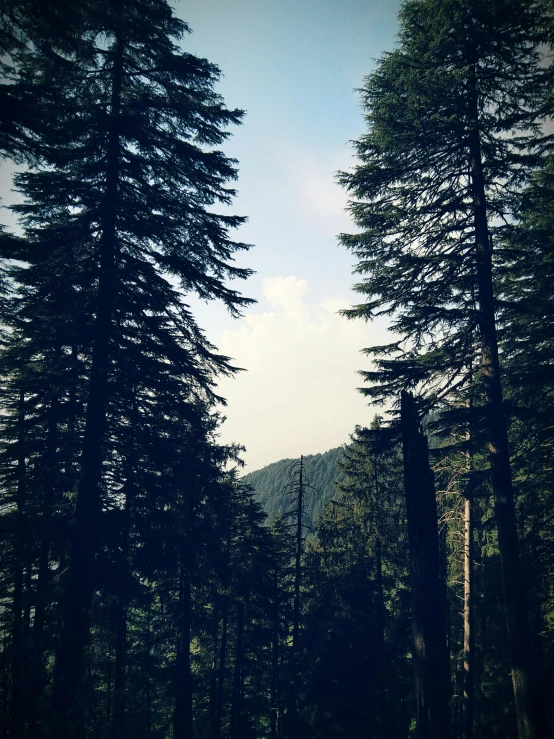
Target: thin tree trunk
{"type": "Point", "coordinates": [182, 716]}
{"type": "Point", "coordinates": [148, 671]}
{"type": "Point", "coordinates": [45, 540]}
{"type": "Point", "coordinates": [467, 720]}
{"type": "Point", "coordinates": [275, 709]}
{"type": "Point", "coordinates": [221, 671]}
{"type": "Point", "coordinates": [5, 692]}
{"type": "Point", "coordinates": [108, 673]}
{"type": "Point", "coordinates": [498, 438]}
{"type": "Point", "coordinates": [298, 558]}
{"type": "Point", "coordinates": [120, 605]}
{"type": "Point", "coordinates": [213, 671]}
{"type": "Point", "coordinates": [69, 695]}
{"type": "Point", "coordinates": [378, 565]}
{"type": "Point", "coordinates": [38, 677]}
{"type": "Point", "coordinates": [430, 655]}
{"type": "Point", "coordinates": [236, 701]}
{"type": "Point", "coordinates": [118, 715]}
{"type": "Point", "coordinates": [16, 699]}
{"type": "Point", "coordinates": [28, 596]}
{"type": "Point", "coordinates": [227, 529]}
{"type": "Point", "coordinates": [292, 688]}
{"type": "Point", "coordinates": [380, 595]}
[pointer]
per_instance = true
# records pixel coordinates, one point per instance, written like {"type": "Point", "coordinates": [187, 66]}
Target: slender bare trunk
{"type": "Point", "coordinates": [228, 525]}
{"type": "Point", "coordinates": [4, 684]}
{"type": "Point", "coordinates": [182, 716]}
{"type": "Point", "coordinates": [16, 699]}
{"type": "Point", "coordinates": [298, 558]}
{"type": "Point", "coordinates": [118, 715]}
{"type": "Point", "coordinates": [121, 602]}
{"type": "Point", "coordinates": [467, 721]}
{"type": "Point", "coordinates": [38, 678]}
{"type": "Point", "coordinates": [237, 717]}
{"type": "Point", "coordinates": [213, 670]}
{"type": "Point", "coordinates": [221, 671]}
{"type": "Point", "coordinates": [148, 671]}
{"type": "Point", "coordinates": [378, 565]}
{"type": "Point", "coordinates": [275, 692]}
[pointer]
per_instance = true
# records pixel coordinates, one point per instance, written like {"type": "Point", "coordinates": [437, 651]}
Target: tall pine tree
{"type": "Point", "coordinates": [132, 178]}
{"type": "Point", "coordinates": [451, 116]}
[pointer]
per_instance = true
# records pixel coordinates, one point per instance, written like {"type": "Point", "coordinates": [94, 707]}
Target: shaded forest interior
{"type": "Point", "coordinates": [144, 593]}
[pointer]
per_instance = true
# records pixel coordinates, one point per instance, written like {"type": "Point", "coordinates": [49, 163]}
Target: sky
{"type": "Point", "coordinates": [293, 66]}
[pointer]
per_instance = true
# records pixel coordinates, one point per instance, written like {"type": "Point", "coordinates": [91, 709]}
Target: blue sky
{"type": "Point", "coordinates": [293, 66]}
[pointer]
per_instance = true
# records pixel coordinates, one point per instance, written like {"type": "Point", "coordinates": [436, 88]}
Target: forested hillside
{"type": "Point", "coordinates": [271, 483]}
{"type": "Point", "coordinates": [144, 593]}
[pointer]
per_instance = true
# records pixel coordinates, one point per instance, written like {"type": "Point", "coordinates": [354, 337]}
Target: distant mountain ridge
{"type": "Point", "coordinates": [322, 471]}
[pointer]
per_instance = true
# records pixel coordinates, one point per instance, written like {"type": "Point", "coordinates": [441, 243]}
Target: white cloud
{"type": "Point", "coordinates": [298, 395]}
{"type": "Point", "coordinates": [286, 293]}
{"type": "Point", "coordinates": [310, 178]}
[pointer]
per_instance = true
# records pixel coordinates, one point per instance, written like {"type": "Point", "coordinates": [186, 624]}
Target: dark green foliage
{"type": "Point", "coordinates": [322, 471]}
{"type": "Point", "coordinates": [357, 680]}
{"type": "Point", "coordinates": [112, 477]}
{"type": "Point", "coordinates": [454, 116]}
{"type": "Point", "coordinates": [412, 189]}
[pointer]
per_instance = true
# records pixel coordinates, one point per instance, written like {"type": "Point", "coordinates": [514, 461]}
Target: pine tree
{"type": "Point", "coordinates": [437, 168]}
{"type": "Point", "coordinates": [128, 194]}
{"type": "Point", "coordinates": [355, 675]}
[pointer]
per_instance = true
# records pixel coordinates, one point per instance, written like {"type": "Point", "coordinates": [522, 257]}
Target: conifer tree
{"type": "Point", "coordinates": [437, 168]}
{"type": "Point", "coordinates": [133, 175]}
{"type": "Point", "coordinates": [355, 676]}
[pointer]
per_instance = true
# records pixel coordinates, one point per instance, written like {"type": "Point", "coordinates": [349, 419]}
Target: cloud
{"type": "Point", "coordinates": [310, 178]}
{"type": "Point", "coordinates": [299, 393]}
{"type": "Point", "coordinates": [286, 293]}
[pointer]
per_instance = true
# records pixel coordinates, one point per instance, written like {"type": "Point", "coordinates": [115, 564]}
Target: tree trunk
{"type": "Point", "coordinates": [38, 677]}
{"type": "Point", "coordinates": [69, 695]}
{"type": "Point", "coordinates": [122, 598]}
{"type": "Point", "coordinates": [380, 595]}
{"type": "Point", "coordinates": [221, 671]}
{"type": "Point", "coordinates": [45, 537]}
{"type": "Point", "coordinates": [227, 528]}
{"type": "Point", "coordinates": [238, 675]}
{"type": "Point", "coordinates": [118, 715]}
{"type": "Point", "coordinates": [498, 438]}
{"type": "Point", "coordinates": [467, 717]}
{"type": "Point", "coordinates": [275, 693]}
{"type": "Point", "coordinates": [298, 558]}
{"type": "Point", "coordinates": [292, 688]}
{"type": "Point", "coordinates": [148, 671]}
{"type": "Point", "coordinates": [213, 671]}
{"type": "Point", "coordinates": [378, 566]}
{"type": "Point", "coordinates": [16, 698]}
{"type": "Point", "coordinates": [182, 716]}
{"type": "Point", "coordinates": [430, 655]}
{"type": "Point", "coordinates": [4, 683]}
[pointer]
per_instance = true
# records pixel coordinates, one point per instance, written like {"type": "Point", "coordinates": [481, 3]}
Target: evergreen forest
{"type": "Point", "coordinates": [273, 485]}
{"type": "Point", "coordinates": [402, 586]}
